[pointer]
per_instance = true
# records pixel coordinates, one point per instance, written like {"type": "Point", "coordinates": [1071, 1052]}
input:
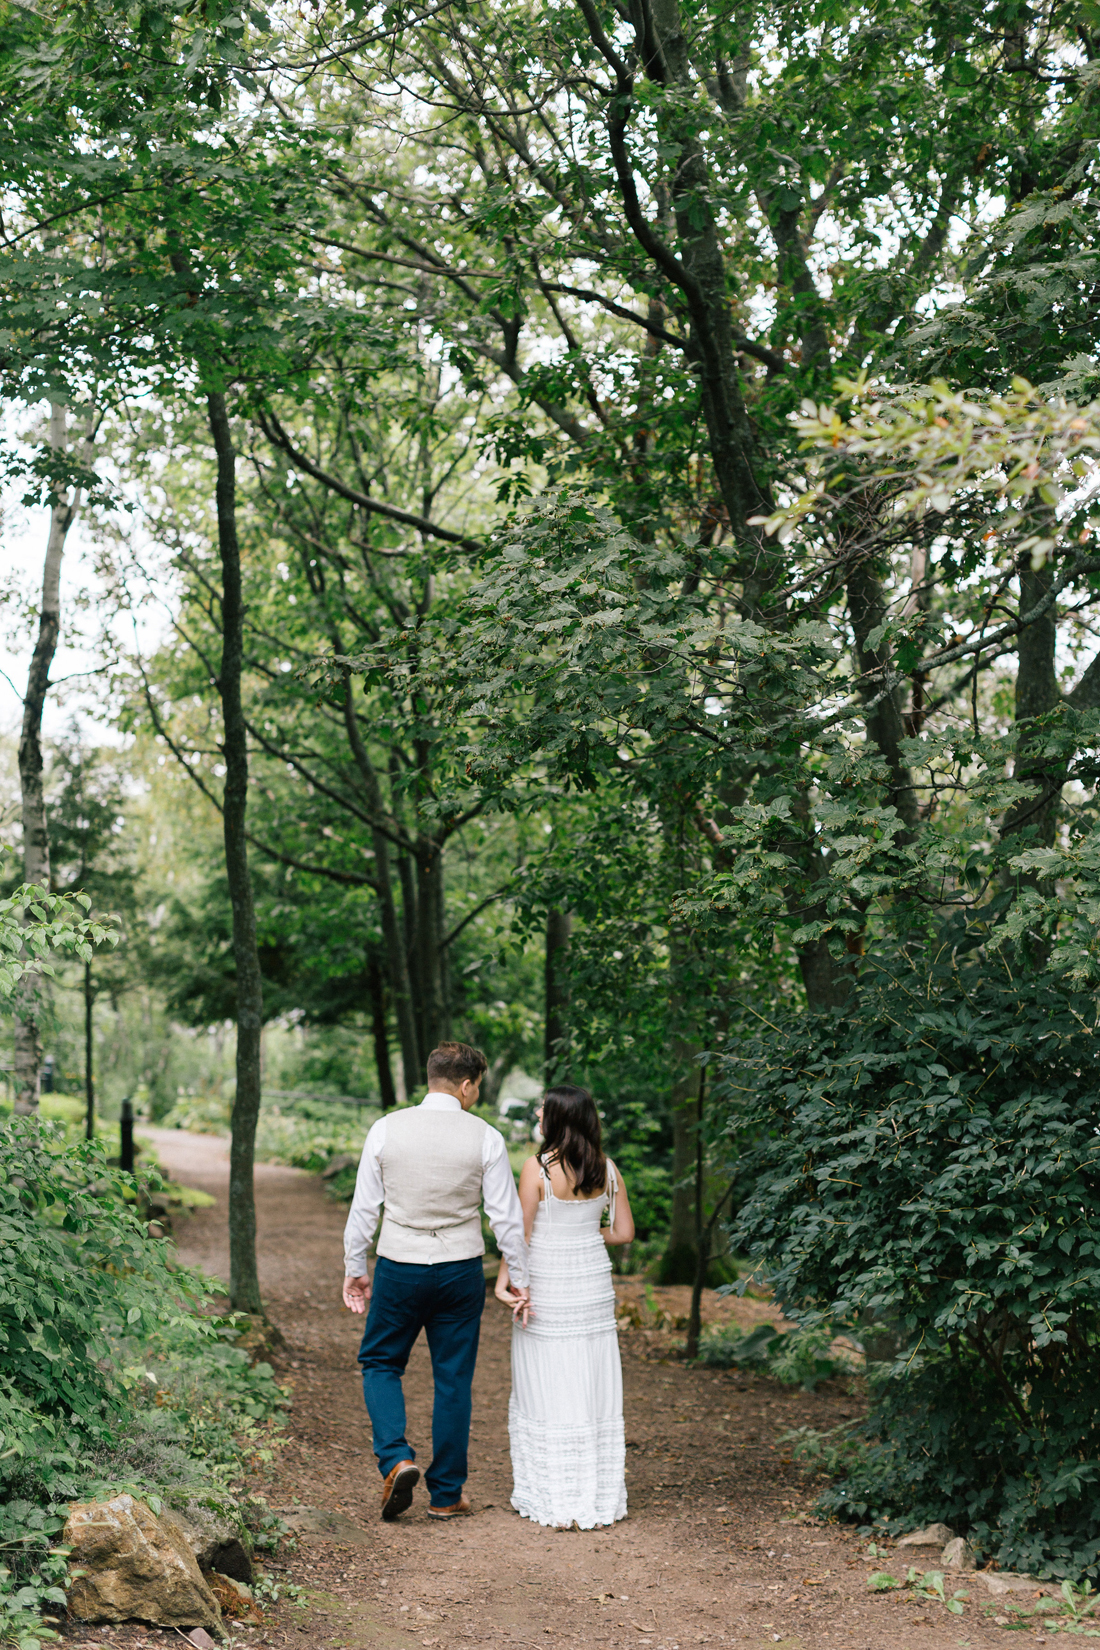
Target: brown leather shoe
{"type": "Point", "coordinates": [397, 1491]}
{"type": "Point", "coordinates": [461, 1507]}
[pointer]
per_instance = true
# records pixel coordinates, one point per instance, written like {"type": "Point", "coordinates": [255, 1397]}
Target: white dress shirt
{"type": "Point", "coordinates": [498, 1191]}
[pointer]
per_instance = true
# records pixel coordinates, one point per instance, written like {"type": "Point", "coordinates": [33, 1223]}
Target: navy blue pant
{"type": "Point", "coordinates": [447, 1301]}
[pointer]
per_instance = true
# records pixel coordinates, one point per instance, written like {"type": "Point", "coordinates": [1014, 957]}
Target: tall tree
{"type": "Point", "coordinates": [36, 838]}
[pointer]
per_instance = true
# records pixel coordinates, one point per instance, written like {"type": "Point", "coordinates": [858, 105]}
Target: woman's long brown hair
{"type": "Point", "coordinates": [571, 1138]}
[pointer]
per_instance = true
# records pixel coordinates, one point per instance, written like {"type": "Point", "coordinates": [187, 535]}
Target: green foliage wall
{"type": "Point", "coordinates": [929, 1164]}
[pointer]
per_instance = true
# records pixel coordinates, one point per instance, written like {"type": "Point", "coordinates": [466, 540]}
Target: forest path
{"type": "Point", "coordinates": [719, 1548]}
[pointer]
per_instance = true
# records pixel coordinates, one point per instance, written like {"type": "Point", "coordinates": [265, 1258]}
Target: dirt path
{"type": "Point", "coordinates": [719, 1548]}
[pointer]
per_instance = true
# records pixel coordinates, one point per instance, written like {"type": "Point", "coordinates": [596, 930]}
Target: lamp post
{"type": "Point", "coordinates": [126, 1136]}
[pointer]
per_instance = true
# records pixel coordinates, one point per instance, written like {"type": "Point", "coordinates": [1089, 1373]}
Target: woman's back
{"type": "Point", "coordinates": [566, 1412]}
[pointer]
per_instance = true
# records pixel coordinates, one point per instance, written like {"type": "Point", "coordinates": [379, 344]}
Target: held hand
{"type": "Point", "coordinates": [521, 1305]}
{"type": "Point", "coordinates": [356, 1294]}
{"type": "Point", "coordinates": [503, 1289]}
{"type": "Point", "coordinates": [509, 1295]}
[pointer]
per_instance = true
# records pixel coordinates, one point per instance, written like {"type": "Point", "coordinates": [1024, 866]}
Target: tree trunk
{"type": "Point", "coordinates": [244, 1284]}
{"type": "Point", "coordinates": [89, 1055]}
{"type": "Point", "coordinates": [36, 841]}
{"type": "Point", "coordinates": [702, 1230]}
{"type": "Point", "coordinates": [429, 904]}
{"type": "Point", "coordinates": [885, 722]}
{"type": "Point", "coordinates": [679, 1260]}
{"type": "Point", "coordinates": [380, 1033]}
{"type": "Point", "coordinates": [681, 1255]}
{"type": "Point", "coordinates": [412, 1062]}
{"type": "Point", "coordinates": [826, 982]}
{"type": "Point", "coordinates": [1036, 693]}
{"type": "Point", "coordinates": [396, 954]}
{"type": "Point", "coordinates": [700, 272]}
{"type": "Point", "coordinates": [559, 927]}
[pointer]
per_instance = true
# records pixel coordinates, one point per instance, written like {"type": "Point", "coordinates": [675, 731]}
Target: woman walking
{"type": "Point", "coordinates": [565, 1418]}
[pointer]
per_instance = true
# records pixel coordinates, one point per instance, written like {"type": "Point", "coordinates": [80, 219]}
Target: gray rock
{"type": "Point", "coordinates": [216, 1543]}
{"type": "Point", "coordinates": [201, 1639]}
{"type": "Point", "coordinates": [959, 1555]}
{"type": "Point", "coordinates": [130, 1565]}
{"type": "Point", "coordinates": [933, 1535]}
{"type": "Point", "coordinates": [318, 1521]}
{"type": "Point", "coordinates": [345, 1160]}
{"type": "Point", "coordinates": [1004, 1581]}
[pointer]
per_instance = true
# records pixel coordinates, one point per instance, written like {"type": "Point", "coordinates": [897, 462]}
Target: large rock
{"type": "Point", "coordinates": [959, 1555]}
{"type": "Point", "coordinates": [129, 1565]}
{"type": "Point", "coordinates": [933, 1535]}
{"type": "Point", "coordinates": [215, 1542]}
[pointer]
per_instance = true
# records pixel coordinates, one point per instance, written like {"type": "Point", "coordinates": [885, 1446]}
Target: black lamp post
{"type": "Point", "coordinates": [126, 1136]}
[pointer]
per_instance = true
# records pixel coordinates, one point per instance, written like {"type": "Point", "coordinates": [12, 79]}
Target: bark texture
{"type": "Point", "coordinates": [559, 928]}
{"type": "Point", "coordinates": [244, 1285]}
{"type": "Point", "coordinates": [1036, 693]}
{"type": "Point", "coordinates": [380, 1033]}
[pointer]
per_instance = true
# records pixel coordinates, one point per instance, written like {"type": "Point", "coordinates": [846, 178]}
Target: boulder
{"type": "Point", "coordinates": [130, 1565]}
{"type": "Point", "coordinates": [1005, 1581]}
{"type": "Point", "coordinates": [343, 1160]}
{"type": "Point", "coordinates": [959, 1555]}
{"type": "Point", "coordinates": [933, 1535]}
{"type": "Point", "coordinates": [215, 1542]}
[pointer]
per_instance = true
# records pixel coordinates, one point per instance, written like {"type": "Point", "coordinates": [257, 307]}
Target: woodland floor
{"type": "Point", "coordinates": [721, 1546]}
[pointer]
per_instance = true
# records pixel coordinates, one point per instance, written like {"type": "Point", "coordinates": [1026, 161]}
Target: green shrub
{"type": "Point", "coordinates": [111, 1375]}
{"type": "Point", "coordinates": [798, 1358]}
{"type": "Point", "coordinates": [928, 1162]}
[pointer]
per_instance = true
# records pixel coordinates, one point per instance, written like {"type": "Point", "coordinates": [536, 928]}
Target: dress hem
{"type": "Point", "coordinates": [552, 1524]}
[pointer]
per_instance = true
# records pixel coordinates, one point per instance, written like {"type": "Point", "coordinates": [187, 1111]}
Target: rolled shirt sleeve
{"type": "Point", "coordinates": [502, 1205]}
{"type": "Point", "coordinates": [366, 1205]}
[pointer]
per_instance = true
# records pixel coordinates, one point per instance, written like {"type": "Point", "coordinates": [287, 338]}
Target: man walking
{"type": "Point", "coordinates": [432, 1166]}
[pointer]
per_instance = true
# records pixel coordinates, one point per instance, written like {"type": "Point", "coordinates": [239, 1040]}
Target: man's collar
{"type": "Point", "coordinates": [434, 1101]}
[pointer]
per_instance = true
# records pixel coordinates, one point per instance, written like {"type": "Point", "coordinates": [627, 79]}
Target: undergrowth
{"type": "Point", "coordinates": [112, 1374]}
{"type": "Point", "coordinates": [798, 1358]}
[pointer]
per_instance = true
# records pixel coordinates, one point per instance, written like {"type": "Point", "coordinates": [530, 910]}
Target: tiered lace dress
{"type": "Point", "coordinates": [565, 1417]}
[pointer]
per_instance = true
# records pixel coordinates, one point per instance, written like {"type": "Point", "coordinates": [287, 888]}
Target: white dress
{"type": "Point", "coordinates": [565, 1416]}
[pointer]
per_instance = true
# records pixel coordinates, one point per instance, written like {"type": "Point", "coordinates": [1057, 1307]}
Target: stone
{"type": "Point", "coordinates": [129, 1565]}
{"type": "Point", "coordinates": [216, 1543]}
{"type": "Point", "coordinates": [344, 1160]}
{"type": "Point", "coordinates": [235, 1598]}
{"type": "Point", "coordinates": [959, 1555]}
{"type": "Point", "coordinates": [1004, 1581]}
{"type": "Point", "coordinates": [933, 1535]}
{"type": "Point", "coordinates": [319, 1521]}
{"type": "Point", "coordinates": [201, 1639]}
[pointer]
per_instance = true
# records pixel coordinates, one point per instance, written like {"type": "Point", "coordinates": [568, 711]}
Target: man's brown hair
{"type": "Point", "coordinates": [455, 1062]}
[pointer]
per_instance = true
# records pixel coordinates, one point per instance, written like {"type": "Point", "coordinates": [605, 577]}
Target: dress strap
{"type": "Point", "coordinates": [547, 1189]}
{"type": "Point", "coordinates": [612, 1188]}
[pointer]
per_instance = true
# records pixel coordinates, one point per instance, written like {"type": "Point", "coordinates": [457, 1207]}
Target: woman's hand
{"type": "Point", "coordinates": [516, 1299]}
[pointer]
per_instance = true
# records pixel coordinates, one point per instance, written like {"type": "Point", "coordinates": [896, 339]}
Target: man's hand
{"type": "Point", "coordinates": [356, 1294]}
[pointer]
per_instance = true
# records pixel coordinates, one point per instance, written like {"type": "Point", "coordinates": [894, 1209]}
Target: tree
{"type": "Point", "coordinates": [36, 841]}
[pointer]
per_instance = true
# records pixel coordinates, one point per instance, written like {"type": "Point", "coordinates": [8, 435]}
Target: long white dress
{"type": "Point", "coordinates": [565, 1416]}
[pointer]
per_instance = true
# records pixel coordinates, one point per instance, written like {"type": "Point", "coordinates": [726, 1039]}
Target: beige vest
{"type": "Point", "coordinates": [431, 1175]}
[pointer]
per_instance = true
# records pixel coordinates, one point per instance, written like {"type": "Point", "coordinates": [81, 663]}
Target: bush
{"type": "Point", "coordinates": [928, 1163]}
{"type": "Point", "coordinates": [798, 1358]}
{"type": "Point", "coordinates": [111, 1376]}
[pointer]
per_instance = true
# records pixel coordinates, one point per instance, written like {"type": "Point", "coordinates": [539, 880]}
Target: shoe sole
{"type": "Point", "coordinates": [465, 1513]}
{"type": "Point", "coordinates": [400, 1497]}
